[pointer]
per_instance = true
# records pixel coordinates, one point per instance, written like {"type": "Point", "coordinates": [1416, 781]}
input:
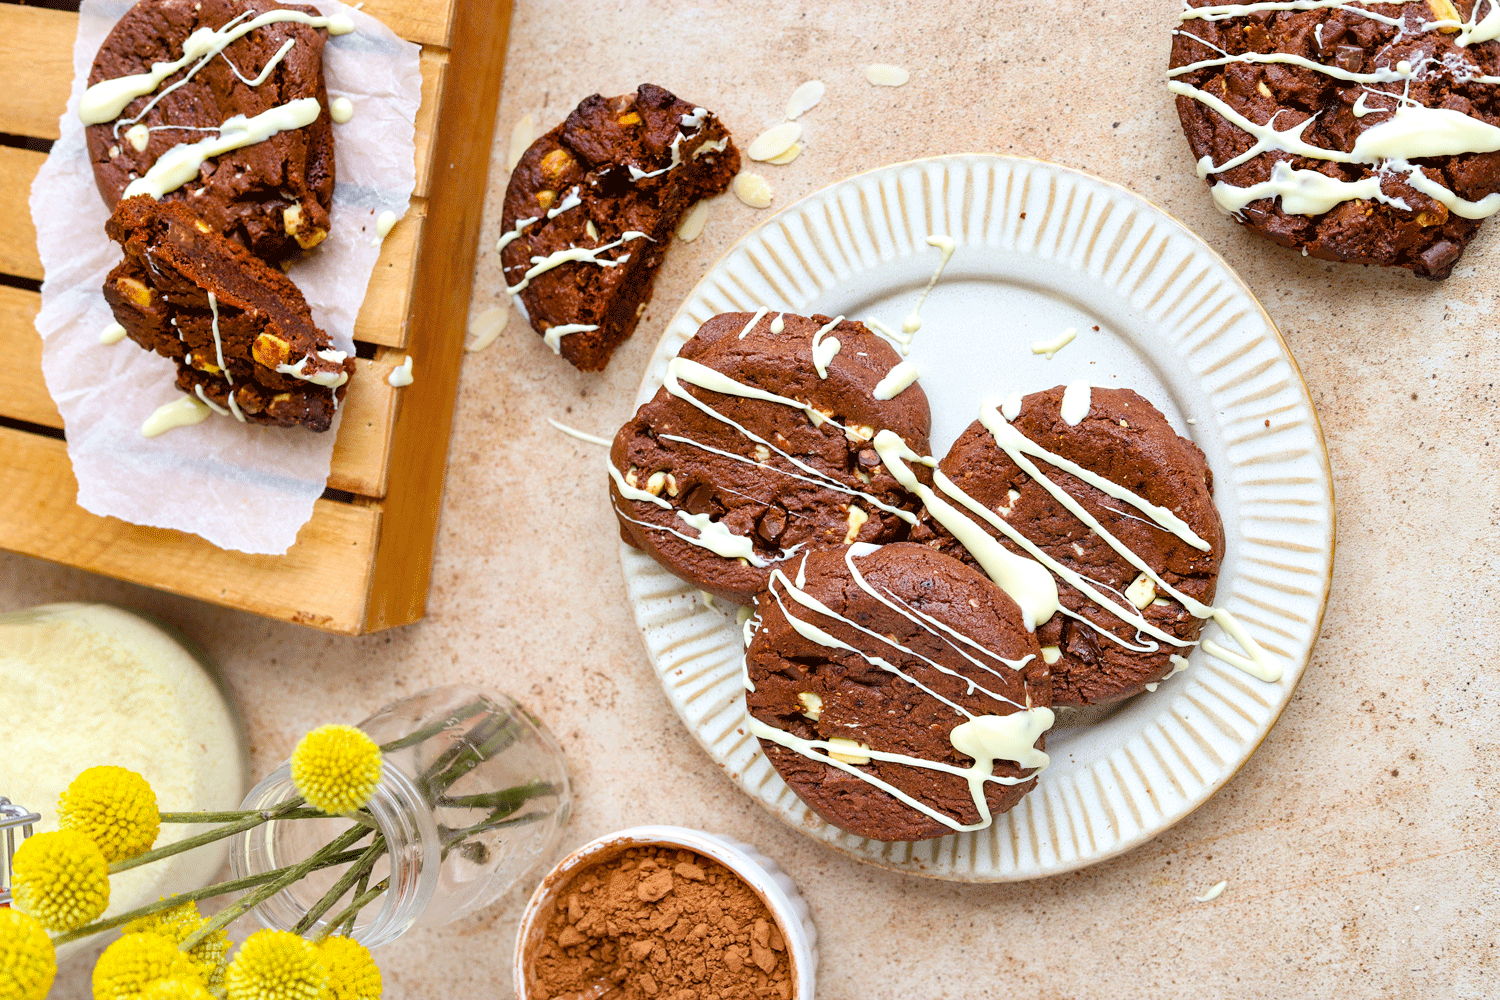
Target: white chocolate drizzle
{"type": "Point", "coordinates": [570, 200]}
{"type": "Point", "coordinates": [580, 435]}
{"type": "Point", "coordinates": [401, 375]}
{"type": "Point", "coordinates": [637, 174]}
{"type": "Point", "coordinates": [265, 71]}
{"type": "Point", "coordinates": [520, 227]}
{"type": "Point", "coordinates": [105, 100]}
{"type": "Point", "coordinates": [220, 410]}
{"type": "Point", "coordinates": [330, 379]}
{"type": "Point", "coordinates": [213, 308]}
{"type": "Point", "coordinates": [913, 323]}
{"type": "Point", "coordinates": [901, 341]}
{"type": "Point", "coordinates": [1028, 584]}
{"type": "Point", "coordinates": [340, 109]}
{"type": "Point", "coordinates": [587, 255]}
{"type": "Point", "coordinates": [1076, 400]}
{"type": "Point", "coordinates": [554, 335]}
{"type": "Point", "coordinates": [182, 162]}
{"type": "Point", "coordinates": [823, 351]}
{"type": "Point", "coordinates": [778, 325]}
{"type": "Point", "coordinates": [178, 413]}
{"type": "Point", "coordinates": [896, 381]}
{"type": "Point", "coordinates": [759, 313]}
{"type": "Point", "coordinates": [1049, 348]}
{"type": "Point", "coordinates": [112, 334]}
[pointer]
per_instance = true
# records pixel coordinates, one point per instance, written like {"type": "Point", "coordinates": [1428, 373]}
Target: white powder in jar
{"type": "Point", "coordinates": [87, 684]}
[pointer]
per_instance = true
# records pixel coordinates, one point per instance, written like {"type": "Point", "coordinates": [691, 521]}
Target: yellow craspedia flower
{"type": "Point", "coordinates": [115, 807]}
{"type": "Point", "coordinates": [175, 925]}
{"type": "Point", "coordinates": [336, 768]}
{"type": "Point", "coordinates": [175, 989]}
{"type": "Point", "coordinates": [61, 879]}
{"type": "Point", "coordinates": [275, 965]}
{"type": "Point", "coordinates": [352, 973]}
{"type": "Point", "coordinates": [136, 961]}
{"type": "Point", "coordinates": [27, 961]}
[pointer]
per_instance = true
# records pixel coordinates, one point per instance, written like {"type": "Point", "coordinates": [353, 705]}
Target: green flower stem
{"type": "Point", "coordinates": [236, 816]}
{"type": "Point", "coordinates": [348, 913]}
{"type": "Point", "coordinates": [295, 873]}
{"type": "Point", "coordinates": [359, 890]}
{"type": "Point", "coordinates": [432, 729]}
{"type": "Point", "coordinates": [250, 822]}
{"type": "Point", "coordinates": [223, 888]}
{"type": "Point", "coordinates": [335, 892]}
{"type": "Point", "coordinates": [511, 798]}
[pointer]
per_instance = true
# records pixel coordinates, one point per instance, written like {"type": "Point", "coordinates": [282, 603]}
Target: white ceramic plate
{"type": "Point", "coordinates": [1041, 248]}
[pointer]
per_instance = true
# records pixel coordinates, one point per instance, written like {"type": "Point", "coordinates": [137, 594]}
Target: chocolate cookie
{"type": "Point", "coordinates": [1361, 133]}
{"type": "Point", "coordinates": [1097, 654]}
{"type": "Point", "coordinates": [721, 486]}
{"type": "Point", "coordinates": [896, 649]}
{"type": "Point", "coordinates": [272, 195]}
{"type": "Point", "coordinates": [592, 206]}
{"type": "Point", "coordinates": [239, 329]}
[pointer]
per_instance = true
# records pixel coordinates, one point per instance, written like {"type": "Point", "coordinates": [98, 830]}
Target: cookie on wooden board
{"type": "Point", "coordinates": [592, 206]}
{"type": "Point", "coordinates": [238, 329]}
{"type": "Point", "coordinates": [272, 195]}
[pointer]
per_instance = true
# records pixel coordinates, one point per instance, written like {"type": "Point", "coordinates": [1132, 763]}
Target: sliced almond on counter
{"type": "Point", "coordinates": [774, 141]}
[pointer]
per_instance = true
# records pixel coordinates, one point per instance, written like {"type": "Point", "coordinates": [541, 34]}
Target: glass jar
{"type": "Point", "coordinates": [474, 796]}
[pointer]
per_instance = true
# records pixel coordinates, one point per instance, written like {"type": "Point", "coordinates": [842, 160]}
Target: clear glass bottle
{"type": "Point", "coordinates": [474, 796]}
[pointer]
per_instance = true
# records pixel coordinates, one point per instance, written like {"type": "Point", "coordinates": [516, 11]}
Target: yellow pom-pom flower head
{"type": "Point", "coordinates": [336, 768]}
{"type": "Point", "coordinates": [275, 965]}
{"type": "Point", "coordinates": [27, 962]}
{"type": "Point", "coordinates": [352, 973]}
{"type": "Point", "coordinates": [61, 878]}
{"type": "Point", "coordinates": [175, 989]}
{"type": "Point", "coordinates": [113, 806]}
{"type": "Point", "coordinates": [207, 956]}
{"type": "Point", "coordinates": [136, 961]}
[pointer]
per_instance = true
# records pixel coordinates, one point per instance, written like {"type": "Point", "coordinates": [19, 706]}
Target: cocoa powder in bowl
{"type": "Point", "coordinates": [655, 922]}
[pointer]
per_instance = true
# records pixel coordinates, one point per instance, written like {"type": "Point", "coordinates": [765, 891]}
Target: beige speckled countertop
{"type": "Point", "coordinates": [1359, 843]}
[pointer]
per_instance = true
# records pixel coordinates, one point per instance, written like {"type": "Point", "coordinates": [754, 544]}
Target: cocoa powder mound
{"type": "Point", "coordinates": [659, 923]}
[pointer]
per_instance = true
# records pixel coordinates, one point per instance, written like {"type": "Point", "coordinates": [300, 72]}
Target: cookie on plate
{"type": "Point", "coordinates": [754, 457]}
{"type": "Point", "coordinates": [239, 329]}
{"type": "Point", "coordinates": [1367, 133]}
{"type": "Point", "coordinates": [591, 208]}
{"type": "Point", "coordinates": [272, 195]}
{"type": "Point", "coordinates": [1097, 646]}
{"type": "Point", "coordinates": [896, 649]}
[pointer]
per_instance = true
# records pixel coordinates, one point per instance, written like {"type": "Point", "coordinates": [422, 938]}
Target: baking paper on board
{"type": "Point", "coordinates": [240, 486]}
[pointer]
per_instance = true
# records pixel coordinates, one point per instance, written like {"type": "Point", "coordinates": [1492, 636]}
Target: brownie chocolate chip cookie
{"type": "Point", "coordinates": [271, 196]}
{"type": "Point", "coordinates": [591, 209]}
{"type": "Point", "coordinates": [1361, 132]}
{"type": "Point", "coordinates": [1111, 643]}
{"type": "Point", "coordinates": [748, 456]}
{"type": "Point", "coordinates": [239, 329]}
{"type": "Point", "coordinates": [896, 650]}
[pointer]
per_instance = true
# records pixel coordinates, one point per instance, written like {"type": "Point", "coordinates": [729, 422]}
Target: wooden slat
{"type": "Point", "coordinates": [425, 21]}
{"type": "Point", "coordinates": [36, 68]}
{"type": "Point", "coordinates": [18, 254]}
{"type": "Point", "coordinates": [434, 69]}
{"type": "Point", "coordinates": [23, 395]}
{"type": "Point", "coordinates": [361, 455]}
{"type": "Point", "coordinates": [440, 305]}
{"type": "Point", "coordinates": [383, 317]}
{"type": "Point", "coordinates": [323, 580]}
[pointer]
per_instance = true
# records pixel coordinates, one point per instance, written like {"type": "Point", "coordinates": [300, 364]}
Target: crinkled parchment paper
{"type": "Point", "coordinates": [241, 486]}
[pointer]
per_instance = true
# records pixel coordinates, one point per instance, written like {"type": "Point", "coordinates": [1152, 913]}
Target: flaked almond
{"type": "Point", "coordinates": [521, 138]}
{"type": "Point", "coordinates": [784, 158]}
{"type": "Point", "coordinates": [774, 141]}
{"type": "Point", "coordinates": [487, 326]}
{"type": "Point", "coordinates": [804, 99]}
{"type": "Point", "coordinates": [693, 221]}
{"type": "Point", "coordinates": [886, 75]}
{"type": "Point", "coordinates": [753, 189]}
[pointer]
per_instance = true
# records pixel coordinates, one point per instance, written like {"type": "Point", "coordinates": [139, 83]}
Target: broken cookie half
{"type": "Point", "coordinates": [238, 329]}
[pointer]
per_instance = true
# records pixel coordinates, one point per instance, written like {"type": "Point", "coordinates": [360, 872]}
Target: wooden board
{"type": "Point", "coordinates": [362, 563]}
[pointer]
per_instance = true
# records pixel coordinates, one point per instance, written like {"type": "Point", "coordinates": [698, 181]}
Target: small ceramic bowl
{"type": "Point", "coordinates": [762, 874]}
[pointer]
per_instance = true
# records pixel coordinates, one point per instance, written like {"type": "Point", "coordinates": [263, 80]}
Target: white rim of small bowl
{"type": "Point", "coordinates": [1164, 777]}
{"type": "Point", "coordinates": [774, 887]}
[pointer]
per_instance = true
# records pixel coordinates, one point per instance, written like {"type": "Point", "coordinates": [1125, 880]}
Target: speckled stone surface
{"type": "Point", "coordinates": [1359, 843]}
